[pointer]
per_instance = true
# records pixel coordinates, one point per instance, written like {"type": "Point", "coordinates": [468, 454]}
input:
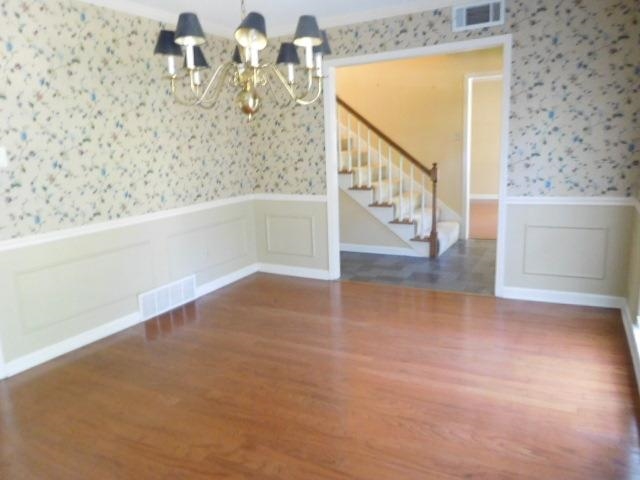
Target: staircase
{"type": "Point", "coordinates": [393, 186]}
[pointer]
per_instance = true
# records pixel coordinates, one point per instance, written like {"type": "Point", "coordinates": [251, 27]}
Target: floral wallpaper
{"type": "Point", "coordinates": [92, 133]}
{"type": "Point", "coordinates": [574, 126]}
{"type": "Point", "coordinates": [90, 128]}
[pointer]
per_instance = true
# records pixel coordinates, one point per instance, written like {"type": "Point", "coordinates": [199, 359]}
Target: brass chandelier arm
{"type": "Point", "coordinates": [303, 99]}
{"type": "Point", "coordinates": [209, 95]}
{"type": "Point", "coordinates": [212, 91]}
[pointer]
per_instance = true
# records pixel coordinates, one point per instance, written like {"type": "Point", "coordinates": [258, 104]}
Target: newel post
{"type": "Point", "coordinates": [434, 246]}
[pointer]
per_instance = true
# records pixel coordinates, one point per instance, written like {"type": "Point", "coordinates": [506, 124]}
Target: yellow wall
{"type": "Point", "coordinates": [420, 104]}
{"type": "Point", "coordinates": [486, 121]}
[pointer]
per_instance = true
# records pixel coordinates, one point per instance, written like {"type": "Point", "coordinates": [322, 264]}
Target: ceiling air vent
{"type": "Point", "coordinates": [478, 15]}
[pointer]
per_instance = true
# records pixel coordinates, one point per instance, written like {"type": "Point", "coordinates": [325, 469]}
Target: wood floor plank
{"type": "Point", "coordinates": [282, 378]}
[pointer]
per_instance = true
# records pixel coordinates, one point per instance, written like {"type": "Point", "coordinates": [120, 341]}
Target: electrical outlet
{"type": "Point", "coordinates": [4, 159]}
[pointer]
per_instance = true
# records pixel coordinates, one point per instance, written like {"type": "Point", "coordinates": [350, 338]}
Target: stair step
{"type": "Point", "coordinates": [404, 221]}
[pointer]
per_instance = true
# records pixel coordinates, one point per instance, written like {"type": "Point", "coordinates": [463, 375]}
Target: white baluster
{"type": "Point", "coordinates": [359, 157]}
{"type": "Point", "coordinates": [401, 187]}
{"type": "Point", "coordinates": [368, 157]}
{"type": "Point", "coordinates": [349, 142]}
{"type": "Point", "coordinates": [389, 173]}
{"type": "Point", "coordinates": [422, 210]}
{"type": "Point", "coordinates": [411, 200]}
{"type": "Point", "coordinates": [379, 170]}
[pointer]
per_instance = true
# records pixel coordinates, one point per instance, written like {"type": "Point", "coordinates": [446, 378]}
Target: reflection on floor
{"type": "Point", "coordinates": [468, 266]}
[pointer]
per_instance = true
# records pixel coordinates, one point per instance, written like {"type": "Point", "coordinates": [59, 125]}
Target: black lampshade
{"type": "Point", "coordinates": [307, 32]}
{"type": "Point", "coordinates": [188, 30]}
{"type": "Point", "coordinates": [288, 54]}
{"type": "Point", "coordinates": [252, 32]}
{"type": "Point", "coordinates": [236, 56]}
{"type": "Point", "coordinates": [166, 44]}
{"type": "Point", "coordinates": [199, 62]}
{"type": "Point", "coordinates": [325, 48]}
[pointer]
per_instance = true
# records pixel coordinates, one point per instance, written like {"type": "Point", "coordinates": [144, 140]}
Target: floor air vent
{"type": "Point", "coordinates": [478, 15]}
{"type": "Point", "coordinates": [167, 297]}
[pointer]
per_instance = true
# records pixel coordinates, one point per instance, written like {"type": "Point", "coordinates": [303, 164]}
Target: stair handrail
{"type": "Point", "coordinates": [432, 172]}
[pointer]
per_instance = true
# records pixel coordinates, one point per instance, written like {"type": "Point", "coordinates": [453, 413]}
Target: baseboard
{"type": "Point", "coordinates": [483, 197]}
{"type": "Point", "coordinates": [43, 355]}
{"type": "Point", "coordinates": [225, 280]}
{"type": "Point", "coordinates": [357, 248]}
{"type": "Point", "coordinates": [276, 269]}
{"type": "Point", "coordinates": [633, 339]}
{"type": "Point", "coordinates": [553, 296]}
{"type": "Point", "coordinates": [83, 339]}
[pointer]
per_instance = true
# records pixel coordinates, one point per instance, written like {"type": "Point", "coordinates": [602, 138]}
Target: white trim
{"type": "Point", "coordinates": [632, 331]}
{"type": "Point", "coordinates": [73, 232]}
{"type": "Point", "coordinates": [65, 346]}
{"type": "Point", "coordinates": [333, 187]}
{"type": "Point", "coordinates": [429, 50]}
{"type": "Point", "coordinates": [161, 15]}
{"type": "Point", "coordinates": [291, 271]}
{"type": "Point", "coordinates": [380, 250]}
{"type": "Point", "coordinates": [501, 245]}
{"type": "Point", "coordinates": [3, 372]}
{"type": "Point", "coordinates": [285, 197]}
{"type": "Point", "coordinates": [331, 142]}
{"type": "Point", "coordinates": [85, 338]}
{"type": "Point", "coordinates": [568, 298]}
{"type": "Point", "coordinates": [481, 197]}
{"type": "Point", "coordinates": [394, 9]}
{"type": "Point", "coordinates": [275, 30]}
{"type": "Point", "coordinates": [592, 201]}
{"type": "Point", "coordinates": [225, 280]}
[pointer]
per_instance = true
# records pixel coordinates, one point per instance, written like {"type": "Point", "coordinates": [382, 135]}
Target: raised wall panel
{"type": "Point", "coordinates": [208, 247]}
{"type": "Point", "coordinates": [56, 293]}
{"type": "Point", "coordinates": [565, 251]}
{"type": "Point", "coordinates": [290, 235]}
{"type": "Point", "coordinates": [568, 248]}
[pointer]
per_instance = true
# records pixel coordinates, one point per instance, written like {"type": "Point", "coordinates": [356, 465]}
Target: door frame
{"type": "Point", "coordinates": [467, 131]}
{"type": "Point", "coordinates": [331, 136]}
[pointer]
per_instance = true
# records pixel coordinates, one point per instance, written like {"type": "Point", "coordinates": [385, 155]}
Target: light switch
{"type": "Point", "coordinates": [4, 159]}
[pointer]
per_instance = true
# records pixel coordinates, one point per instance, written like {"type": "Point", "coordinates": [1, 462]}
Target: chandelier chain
{"type": "Point", "coordinates": [243, 9]}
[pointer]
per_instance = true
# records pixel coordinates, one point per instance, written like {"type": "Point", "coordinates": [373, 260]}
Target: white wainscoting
{"type": "Point", "coordinates": [63, 290]}
{"type": "Point", "coordinates": [567, 250]}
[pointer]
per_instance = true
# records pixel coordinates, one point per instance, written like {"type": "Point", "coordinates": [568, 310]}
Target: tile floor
{"type": "Point", "coordinates": [468, 266]}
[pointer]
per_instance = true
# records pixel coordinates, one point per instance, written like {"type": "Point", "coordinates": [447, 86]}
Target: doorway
{"type": "Point", "coordinates": [423, 267]}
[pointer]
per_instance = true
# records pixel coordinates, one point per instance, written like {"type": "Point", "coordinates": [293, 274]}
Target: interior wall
{"type": "Point", "coordinates": [569, 248]}
{"type": "Point", "coordinates": [633, 282]}
{"type": "Point", "coordinates": [359, 227]}
{"type": "Point", "coordinates": [90, 128]}
{"type": "Point", "coordinates": [57, 290]}
{"type": "Point", "coordinates": [292, 234]}
{"type": "Point", "coordinates": [486, 132]}
{"type": "Point", "coordinates": [419, 103]}
{"type": "Point", "coordinates": [572, 108]}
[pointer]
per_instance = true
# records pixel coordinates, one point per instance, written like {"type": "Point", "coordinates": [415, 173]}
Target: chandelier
{"type": "Point", "coordinates": [194, 83]}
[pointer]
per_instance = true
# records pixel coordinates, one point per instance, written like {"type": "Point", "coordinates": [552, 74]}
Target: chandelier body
{"type": "Point", "coordinates": [193, 83]}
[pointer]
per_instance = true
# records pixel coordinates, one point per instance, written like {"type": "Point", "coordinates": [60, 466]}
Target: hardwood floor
{"type": "Point", "coordinates": [282, 378]}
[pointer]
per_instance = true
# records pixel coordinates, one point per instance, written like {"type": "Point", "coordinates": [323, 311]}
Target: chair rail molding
{"type": "Point", "coordinates": [72, 232]}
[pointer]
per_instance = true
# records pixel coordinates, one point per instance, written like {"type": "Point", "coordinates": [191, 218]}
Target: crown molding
{"type": "Point", "coordinates": [160, 15]}
{"type": "Point", "coordinates": [393, 10]}
{"type": "Point", "coordinates": [275, 30]}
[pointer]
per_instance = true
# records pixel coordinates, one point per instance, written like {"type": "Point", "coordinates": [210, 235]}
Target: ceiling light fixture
{"type": "Point", "coordinates": [245, 71]}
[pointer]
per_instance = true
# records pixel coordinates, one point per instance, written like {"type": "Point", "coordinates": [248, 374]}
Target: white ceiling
{"type": "Point", "coordinates": [223, 16]}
